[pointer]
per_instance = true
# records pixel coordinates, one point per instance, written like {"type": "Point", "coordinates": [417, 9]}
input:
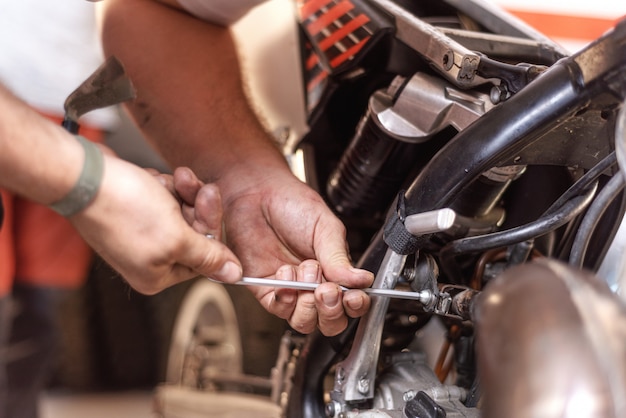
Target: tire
{"type": "Point", "coordinates": [205, 334]}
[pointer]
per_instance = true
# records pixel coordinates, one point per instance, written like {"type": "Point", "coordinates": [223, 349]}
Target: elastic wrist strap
{"type": "Point", "coordinates": [86, 188]}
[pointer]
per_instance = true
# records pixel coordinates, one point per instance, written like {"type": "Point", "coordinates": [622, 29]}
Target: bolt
{"type": "Point", "coordinates": [330, 409]}
{"type": "Point", "coordinates": [499, 94]}
{"type": "Point", "coordinates": [448, 60]}
{"type": "Point", "coordinates": [408, 395]}
{"type": "Point", "coordinates": [409, 274]}
{"type": "Point", "coordinates": [364, 385]}
{"type": "Point", "coordinates": [426, 297]}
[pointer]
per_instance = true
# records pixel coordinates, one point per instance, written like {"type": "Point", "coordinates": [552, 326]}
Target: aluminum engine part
{"type": "Point", "coordinates": [408, 374]}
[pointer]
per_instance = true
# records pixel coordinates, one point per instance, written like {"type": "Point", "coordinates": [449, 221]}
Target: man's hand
{"type": "Point", "coordinates": [204, 121]}
{"type": "Point", "coordinates": [280, 227]}
{"type": "Point", "coordinates": [137, 226]}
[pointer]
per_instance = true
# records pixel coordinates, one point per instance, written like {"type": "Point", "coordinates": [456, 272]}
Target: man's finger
{"type": "Point", "coordinates": [305, 316]}
{"type": "Point", "coordinates": [210, 257]}
{"type": "Point", "coordinates": [331, 317]}
{"type": "Point", "coordinates": [186, 184]}
{"type": "Point", "coordinates": [356, 303]}
{"type": "Point", "coordinates": [208, 211]}
{"type": "Point", "coordinates": [283, 302]}
{"type": "Point", "coordinates": [332, 253]}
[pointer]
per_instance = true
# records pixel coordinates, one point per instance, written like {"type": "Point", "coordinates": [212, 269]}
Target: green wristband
{"type": "Point", "coordinates": [86, 188]}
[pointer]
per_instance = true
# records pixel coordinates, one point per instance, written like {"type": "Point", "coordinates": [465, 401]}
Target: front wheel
{"type": "Point", "coordinates": [205, 336]}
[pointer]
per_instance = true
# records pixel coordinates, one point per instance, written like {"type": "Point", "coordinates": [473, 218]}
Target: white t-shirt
{"type": "Point", "coordinates": [224, 12]}
{"type": "Point", "coordinates": [47, 49]}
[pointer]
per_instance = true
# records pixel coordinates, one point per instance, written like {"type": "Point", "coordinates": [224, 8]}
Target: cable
{"type": "Point", "coordinates": [557, 215]}
{"type": "Point", "coordinates": [584, 181]}
{"type": "Point", "coordinates": [591, 219]}
{"type": "Point", "coordinates": [546, 223]}
{"type": "Point", "coordinates": [551, 220]}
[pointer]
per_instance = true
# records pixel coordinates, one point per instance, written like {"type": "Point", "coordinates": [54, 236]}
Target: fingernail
{"type": "Point", "coordinates": [331, 298]}
{"type": "Point", "coordinates": [230, 272]}
{"type": "Point", "coordinates": [355, 303]}
{"type": "Point", "coordinates": [285, 273]}
{"type": "Point", "coordinates": [363, 273]}
{"type": "Point", "coordinates": [310, 273]}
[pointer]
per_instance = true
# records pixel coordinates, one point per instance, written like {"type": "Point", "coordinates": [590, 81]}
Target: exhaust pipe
{"type": "Point", "coordinates": [551, 343]}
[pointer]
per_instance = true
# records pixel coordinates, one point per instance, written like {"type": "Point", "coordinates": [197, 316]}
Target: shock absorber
{"type": "Point", "coordinates": [393, 139]}
{"type": "Point", "coordinates": [373, 166]}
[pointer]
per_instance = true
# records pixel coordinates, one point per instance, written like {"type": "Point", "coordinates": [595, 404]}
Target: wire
{"type": "Point", "coordinates": [551, 220]}
{"type": "Point", "coordinates": [563, 210]}
{"type": "Point", "coordinates": [591, 219]}
{"type": "Point", "coordinates": [548, 222]}
{"type": "Point", "coordinates": [585, 181]}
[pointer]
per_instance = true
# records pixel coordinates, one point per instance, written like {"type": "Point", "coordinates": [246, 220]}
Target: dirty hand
{"type": "Point", "coordinates": [140, 228]}
{"type": "Point", "coordinates": [280, 227]}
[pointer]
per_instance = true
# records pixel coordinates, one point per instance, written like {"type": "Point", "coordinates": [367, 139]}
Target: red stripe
{"type": "Point", "coordinates": [312, 61]}
{"type": "Point", "coordinates": [310, 7]}
{"type": "Point", "coordinates": [350, 52]}
{"type": "Point", "coordinates": [329, 17]}
{"type": "Point", "coordinates": [344, 31]}
{"type": "Point", "coordinates": [563, 26]}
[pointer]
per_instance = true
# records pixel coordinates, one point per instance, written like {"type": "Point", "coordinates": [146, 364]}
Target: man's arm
{"type": "Point", "coordinates": [133, 222]}
{"type": "Point", "coordinates": [26, 146]}
{"type": "Point", "coordinates": [192, 106]}
{"type": "Point", "coordinates": [189, 89]}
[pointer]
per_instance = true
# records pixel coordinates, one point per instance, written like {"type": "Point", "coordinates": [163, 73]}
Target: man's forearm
{"type": "Point", "coordinates": [190, 101]}
{"type": "Point", "coordinates": [38, 159]}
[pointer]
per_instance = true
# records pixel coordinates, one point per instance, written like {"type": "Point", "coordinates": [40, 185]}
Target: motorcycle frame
{"type": "Point", "coordinates": [584, 90]}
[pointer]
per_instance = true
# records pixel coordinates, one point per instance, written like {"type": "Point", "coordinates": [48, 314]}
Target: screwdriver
{"type": "Point", "coordinates": [424, 296]}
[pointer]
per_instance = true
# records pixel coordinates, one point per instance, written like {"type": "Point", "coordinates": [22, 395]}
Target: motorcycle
{"type": "Point", "coordinates": [475, 164]}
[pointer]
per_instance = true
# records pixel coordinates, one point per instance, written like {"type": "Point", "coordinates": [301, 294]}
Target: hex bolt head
{"type": "Point", "coordinates": [363, 385]}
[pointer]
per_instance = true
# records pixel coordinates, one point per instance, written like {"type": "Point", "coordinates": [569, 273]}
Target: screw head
{"type": "Point", "coordinates": [330, 409]}
{"type": "Point", "coordinates": [408, 395]}
{"type": "Point", "coordinates": [363, 385]}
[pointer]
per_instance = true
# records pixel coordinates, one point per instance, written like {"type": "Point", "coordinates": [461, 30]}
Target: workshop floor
{"type": "Point", "coordinates": [133, 404]}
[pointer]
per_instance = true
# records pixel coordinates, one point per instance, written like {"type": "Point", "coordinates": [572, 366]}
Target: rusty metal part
{"type": "Point", "coordinates": [486, 258]}
{"type": "Point", "coordinates": [445, 362]}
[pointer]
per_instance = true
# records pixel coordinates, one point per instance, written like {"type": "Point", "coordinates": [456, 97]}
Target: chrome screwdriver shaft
{"type": "Point", "coordinates": [424, 296]}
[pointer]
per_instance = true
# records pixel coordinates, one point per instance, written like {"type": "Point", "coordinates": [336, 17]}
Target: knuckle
{"type": "Point", "coordinates": [303, 327]}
